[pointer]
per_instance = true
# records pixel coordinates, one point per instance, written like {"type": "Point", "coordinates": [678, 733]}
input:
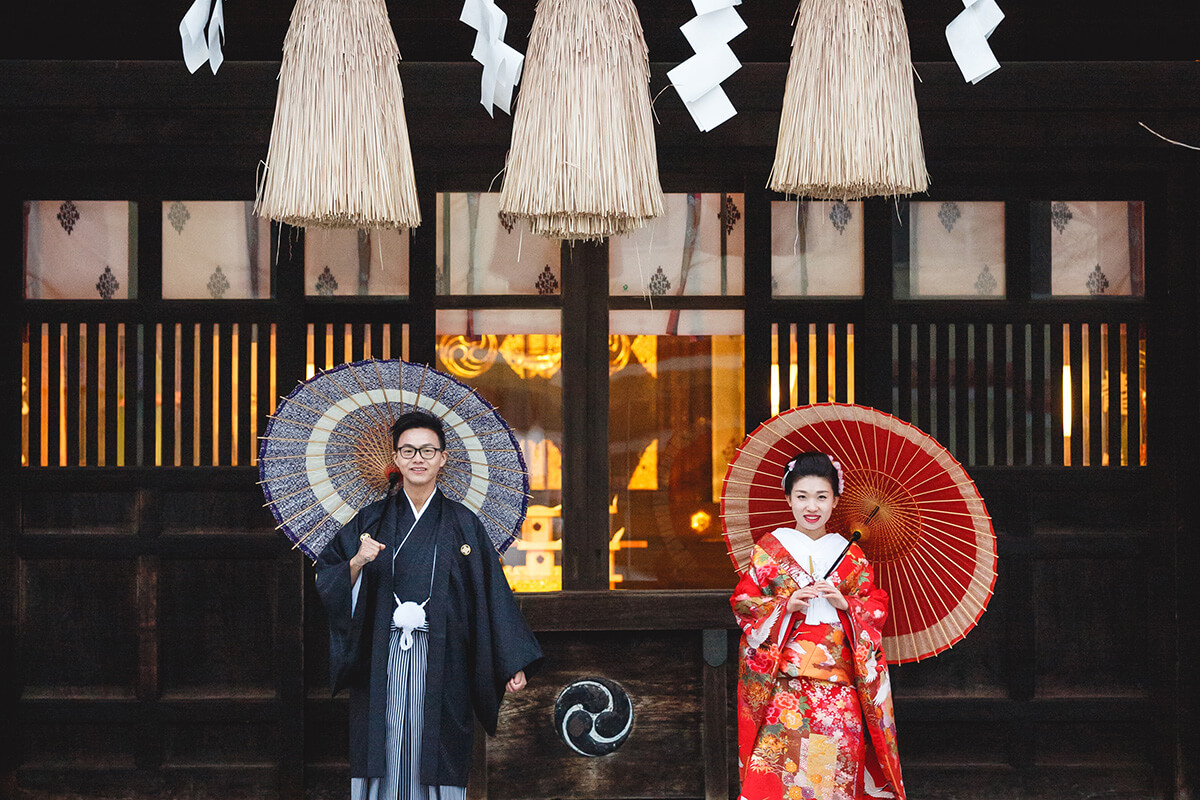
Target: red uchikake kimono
{"type": "Point", "coordinates": [815, 716]}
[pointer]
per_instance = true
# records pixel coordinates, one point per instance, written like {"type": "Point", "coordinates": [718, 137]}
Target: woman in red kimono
{"type": "Point", "coordinates": [814, 700]}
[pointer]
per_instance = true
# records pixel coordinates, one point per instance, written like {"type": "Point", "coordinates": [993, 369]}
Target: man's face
{"type": "Point", "coordinates": [419, 470]}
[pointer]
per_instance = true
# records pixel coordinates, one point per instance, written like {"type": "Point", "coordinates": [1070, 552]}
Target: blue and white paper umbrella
{"type": "Point", "coordinates": [327, 450]}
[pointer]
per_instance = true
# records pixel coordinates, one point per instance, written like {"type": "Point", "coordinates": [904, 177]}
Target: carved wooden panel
{"type": "Point", "coordinates": [92, 745]}
{"type": "Point", "coordinates": [203, 511]}
{"type": "Point", "coordinates": [662, 757]}
{"type": "Point", "coordinates": [932, 744]}
{"type": "Point", "coordinates": [193, 744]}
{"type": "Point", "coordinates": [47, 512]}
{"type": "Point", "coordinates": [1092, 631]}
{"type": "Point", "coordinates": [80, 627]}
{"type": "Point", "coordinates": [217, 622]}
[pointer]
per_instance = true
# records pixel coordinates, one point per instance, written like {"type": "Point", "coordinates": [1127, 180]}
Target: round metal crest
{"type": "Point", "coordinates": [593, 716]}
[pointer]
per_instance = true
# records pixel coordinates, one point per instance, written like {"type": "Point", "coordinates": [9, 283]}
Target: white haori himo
{"type": "Point", "coordinates": [817, 557]}
{"type": "Point", "coordinates": [408, 617]}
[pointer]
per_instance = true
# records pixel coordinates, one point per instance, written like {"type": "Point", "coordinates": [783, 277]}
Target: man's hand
{"type": "Point", "coordinates": [368, 549]}
{"type": "Point", "coordinates": [516, 683]}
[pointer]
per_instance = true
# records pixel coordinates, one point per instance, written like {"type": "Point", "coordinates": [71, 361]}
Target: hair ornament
{"type": "Point", "coordinates": [791, 465]}
{"type": "Point", "coordinates": [841, 487]}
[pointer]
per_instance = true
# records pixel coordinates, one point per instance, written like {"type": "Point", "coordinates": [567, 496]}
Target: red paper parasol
{"type": "Point", "coordinates": [923, 524]}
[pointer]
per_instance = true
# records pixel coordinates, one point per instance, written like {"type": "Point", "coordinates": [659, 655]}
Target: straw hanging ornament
{"type": "Point", "coordinates": [849, 125]}
{"type": "Point", "coordinates": [339, 155]}
{"type": "Point", "coordinates": [583, 163]}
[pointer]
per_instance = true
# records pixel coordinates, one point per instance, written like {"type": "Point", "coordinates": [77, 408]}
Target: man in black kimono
{"type": "Point", "coordinates": [423, 628]}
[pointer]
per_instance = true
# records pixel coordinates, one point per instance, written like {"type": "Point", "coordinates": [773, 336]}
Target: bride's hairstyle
{"type": "Point", "coordinates": [817, 465]}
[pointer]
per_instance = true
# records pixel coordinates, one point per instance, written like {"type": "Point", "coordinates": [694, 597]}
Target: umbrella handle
{"type": "Point", "coordinates": [854, 537]}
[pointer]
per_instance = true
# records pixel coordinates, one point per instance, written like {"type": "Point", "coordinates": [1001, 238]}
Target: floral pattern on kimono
{"type": "Point", "coordinates": [815, 672]}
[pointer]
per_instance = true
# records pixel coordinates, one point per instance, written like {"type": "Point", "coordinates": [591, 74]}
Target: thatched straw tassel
{"type": "Point", "coordinates": [583, 163]}
{"type": "Point", "coordinates": [849, 127]}
{"type": "Point", "coordinates": [339, 154]}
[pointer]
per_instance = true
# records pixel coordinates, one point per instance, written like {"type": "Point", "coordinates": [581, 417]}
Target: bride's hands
{"type": "Point", "coordinates": [831, 593]}
{"type": "Point", "coordinates": [800, 598]}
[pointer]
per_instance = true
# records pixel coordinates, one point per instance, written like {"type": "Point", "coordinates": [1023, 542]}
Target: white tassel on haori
{"type": "Point", "coordinates": [408, 617]}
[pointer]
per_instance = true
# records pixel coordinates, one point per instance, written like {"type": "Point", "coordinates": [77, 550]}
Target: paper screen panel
{"type": "Point", "coordinates": [80, 249]}
{"type": "Point", "coordinates": [696, 248]}
{"type": "Point", "coordinates": [478, 255]}
{"type": "Point", "coordinates": [816, 248]}
{"type": "Point", "coordinates": [956, 249]}
{"type": "Point", "coordinates": [355, 262]}
{"type": "Point", "coordinates": [215, 250]}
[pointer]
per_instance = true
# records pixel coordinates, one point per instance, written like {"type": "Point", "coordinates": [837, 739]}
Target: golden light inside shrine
{"type": "Point", "coordinates": [774, 368]}
{"type": "Point", "coordinates": [700, 521]}
{"type": "Point", "coordinates": [830, 343]}
{"type": "Point", "coordinates": [1066, 413]}
{"type": "Point", "coordinates": [1066, 399]}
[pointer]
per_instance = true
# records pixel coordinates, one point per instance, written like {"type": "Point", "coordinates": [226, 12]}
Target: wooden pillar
{"type": "Point", "coordinates": [715, 742]}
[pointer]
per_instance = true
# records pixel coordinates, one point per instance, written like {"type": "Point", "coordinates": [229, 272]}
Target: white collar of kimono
{"type": "Point", "coordinates": [417, 512]}
{"type": "Point", "coordinates": [815, 556]}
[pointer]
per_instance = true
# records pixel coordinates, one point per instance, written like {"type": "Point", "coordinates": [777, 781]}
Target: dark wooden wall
{"type": "Point", "coordinates": [161, 640]}
{"type": "Point", "coordinates": [428, 30]}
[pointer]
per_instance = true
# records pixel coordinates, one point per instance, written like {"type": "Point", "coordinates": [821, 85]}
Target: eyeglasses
{"type": "Point", "coordinates": [427, 452]}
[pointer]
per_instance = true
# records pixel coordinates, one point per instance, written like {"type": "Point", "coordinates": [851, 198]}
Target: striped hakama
{"type": "Point", "coordinates": [405, 715]}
